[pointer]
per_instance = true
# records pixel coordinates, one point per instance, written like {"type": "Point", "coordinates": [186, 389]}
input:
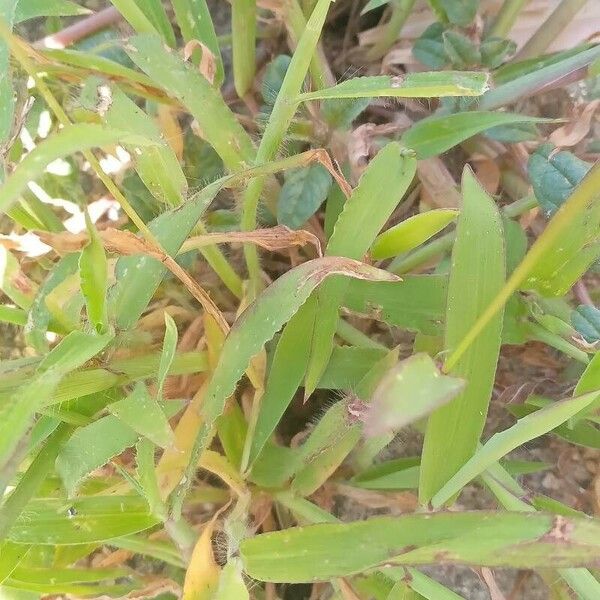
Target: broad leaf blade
{"type": "Point", "coordinates": [475, 278]}
{"type": "Point", "coordinates": [495, 539]}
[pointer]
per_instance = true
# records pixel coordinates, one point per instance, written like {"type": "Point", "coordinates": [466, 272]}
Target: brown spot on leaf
{"type": "Point", "coordinates": [561, 528]}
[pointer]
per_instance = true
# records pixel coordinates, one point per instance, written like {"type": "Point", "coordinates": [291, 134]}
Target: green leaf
{"type": "Point", "coordinates": [258, 324]}
{"type": "Point", "coordinates": [429, 48]}
{"type": "Point", "coordinates": [143, 414]}
{"type": "Point", "coordinates": [146, 476]}
{"type": "Point", "coordinates": [56, 576]}
{"type": "Point", "coordinates": [139, 277]}
{"type": "Point", "coordinates": [568, 246]}
{"type": "Point", "coordinates": [71, 138]}
{"type": "Point", "coordinates": [92, 446]}
{"type": "Point", "coordinates": [287, 370]}
{"type": "Point", "coordinates": [168, 353]}
{"type": "Point", "coordinates": [31, 9]}
{"type": "Point", "coordinates": [586, 320]}
{"type": "Point", "coordinates": [397, 474]}
{"type": "Point", "coordinates": [135, 15]}
{"type": "Point", "coordinates": [494, 539]}
{"type": "Point", "coordinates": [302, 194]}
{"type": "Point", "coordinates": [74, 350]}
{"type": "Point", "coordinates": [416, 303]}
{"type": "Point", "coordinates": [231, 582]}
{"type": "Point", "coordinates": [461, 51]}
{"type": "Point", "coordinates": [195, 22]}
{"type": "Point", "coordinates": [156, 14]}
{"type": "Point", "coordinates": [93, 275]}
{"type": "Point", "coordinates": [512, 134]}
{"type": "Point", "coordinates": [411, 233]}
{"type": "Point", "coordinates": [536, 78]}
{"type": "Point", "coordinates": [411, 85]}
{"type": "Point", "coordinates": [158, 166]}
{"type": "Point", "coordinates": [11, 555]}
{"type": "Point", "coordinates": [408, 392]}
{"type": "Point", "coordinates": [326, 447]}
{"type": "Point", "coordinates": [219, 126]}
{"type": "Point", "coordinates": [460, 12]}
{"type": "Point", "coordinates": [453, 431]}
{"type": "Point", "coordinates": [39, 315]}
{"type": "Point", "coordinates": [341, 113]}
{"type": "Point", "coordinates": [500, 444]}
{"type": "Point", "coordinates": [381, 187]}
{"type": "Point", "coordinates": [372, 5]}
{"type": "Point", "coordinates": [48, 521]}
{"type": "Point", "coordinates": [554, 176]}
{"type": "Point", "coordinates": [347, 366]}
{"type": "Point", "coordinates": [273, 78]}
{"type": "Point", "coordinates": [494, 51]}
{"type": "Point", "coordinates": [434, 135]}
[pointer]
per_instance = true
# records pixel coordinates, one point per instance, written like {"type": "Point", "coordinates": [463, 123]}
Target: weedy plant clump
{"type": "Point", "coordinates": [256, 310]}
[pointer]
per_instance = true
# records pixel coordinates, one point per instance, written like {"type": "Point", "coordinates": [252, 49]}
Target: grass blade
{"type": "Point", "coordinates": [412, 85]}
{"type": "Point", "coordinates": [258, 324]}
{"type": "Point", "coordinates": [434, 135]}
{"type": "Point", "coordinates": [195, 22]}
{"type": "Point", "coordinates": [379, 191]}
{"type": "Point", "coordinates": [219, 126]}
{"type": "Point", "coordinates": [454, 430]}
{"type": "Point", "coordinates": [500, 444]}
{"type": "Point", "coordinates": [320, 552]}
{"type": "Point", "coordinates": [70, 139]}
{"type": "Point", "coordinates": [243, 27]}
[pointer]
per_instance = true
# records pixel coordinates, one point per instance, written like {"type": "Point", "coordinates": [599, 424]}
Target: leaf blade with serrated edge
{"type": "Point", "coordinates": [258, 324]}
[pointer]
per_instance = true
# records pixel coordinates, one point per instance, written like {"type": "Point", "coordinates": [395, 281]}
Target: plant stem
{"type": "Point", "coordinates": [353, 336]}
{"type": "Point", "coordinates": [549, 30]}
{"type": "Point", "coordinates": [281, 116]}
{"type": "Point", "coordinates": [541, 334]}
{"type": "Point", "coordinates": [582, 198]}
{"type": "Point", "coordinates": [401, 10]}
{"type": "Point", "coordinates": [506, 17]}
{"type": "Point", "coordinates": [243, 28]}
{"type": "Point", "coordinates": [21, 56]}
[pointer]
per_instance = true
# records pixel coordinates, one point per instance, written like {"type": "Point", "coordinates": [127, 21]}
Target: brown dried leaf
{"type": "Point", "coordinates": [488, 173]}
{"type": "Point", "coordinates": [208, 65]}
{"type": "Point", "coordinates": [64, 242]}
{"type": "Point", "coordinates": [125, 242]}
{"type": "Point", "coordinates": [439, 188]}
{"type": "Point", "coordinates": [169, 125]}
{"type": "Point", "coordinates": [273, 238]}
{"type": "Point", "coordinates": [492, 586]}
{"type": "Point", "coordinates": [578, 126]}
